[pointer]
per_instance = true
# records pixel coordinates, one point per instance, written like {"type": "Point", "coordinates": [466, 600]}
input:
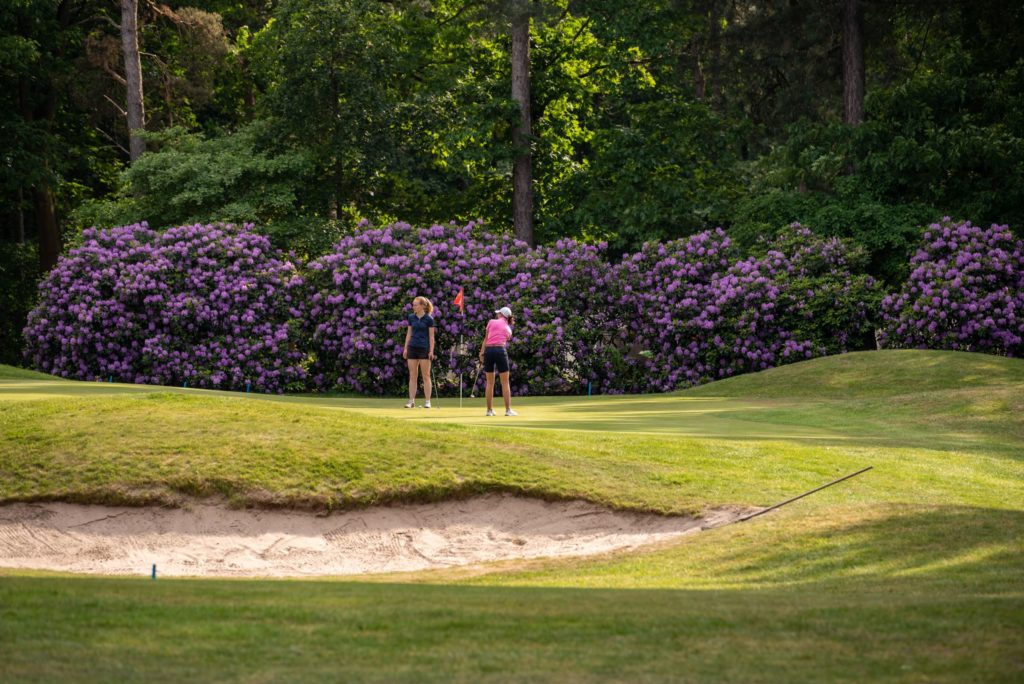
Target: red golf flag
{"type": "Point", "coordinates": [460, 302]}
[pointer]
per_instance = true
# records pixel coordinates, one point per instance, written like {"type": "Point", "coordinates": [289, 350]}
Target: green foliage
{"type": "Point", "coordinates": [651, 120]}
{"type": "Point", "coordinates": [944, 140]}
{"type": "Point", "coordinates": [421, 129]}
{"type": "Point", "coordinates": [943, 133]}
{"type": "Point", "coordinates": [45, 142]}
{"type": "Point", "coordinates": [837, 304]}
{"type": "Point", "coordinates": [337, 74]}
{"type": "Point", "coordinates": [663, 171]}
{"type": "Point", "coordinates": [190, 178]}
{"type": "Point", "coordinates": [19, 269]}
{"type": "Point", "coordinates": [886, 231]}
{"type": "Point", "coordinates": [935, 145]}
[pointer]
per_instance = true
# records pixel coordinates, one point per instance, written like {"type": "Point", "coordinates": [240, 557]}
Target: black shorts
{"type": "Point", "coordinates": [495, 357]}
{"type": "Point", "coordinates": [418, 353]}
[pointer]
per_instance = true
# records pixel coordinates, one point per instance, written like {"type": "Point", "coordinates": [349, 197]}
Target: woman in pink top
{"type": "Point", "coordinates": [494, 356]}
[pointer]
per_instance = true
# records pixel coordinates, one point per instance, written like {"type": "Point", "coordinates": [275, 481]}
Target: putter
{"type": "Point", "coordinates": [476, 378]}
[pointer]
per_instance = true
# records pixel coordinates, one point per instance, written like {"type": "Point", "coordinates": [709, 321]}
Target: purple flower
{"type": "Point", "coordinates": [990, 280]}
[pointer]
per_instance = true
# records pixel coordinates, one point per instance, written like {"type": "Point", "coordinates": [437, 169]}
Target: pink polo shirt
{"type": "Point", "coordinates": [498, 333]}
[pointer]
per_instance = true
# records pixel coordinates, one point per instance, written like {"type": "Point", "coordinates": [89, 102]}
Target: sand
{"type": "Point", "coordinates": [210, 540]}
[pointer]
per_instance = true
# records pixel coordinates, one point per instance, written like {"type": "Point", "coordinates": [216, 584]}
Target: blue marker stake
{"type": "Point", "coordinates": [111, 378]}
{"type": "Point", "coordinates": [246, 387]}
{"type": "Point", "coordinates": [154, 570]}
{"type": "Point", "coordinates": [185, 384]}
{"type": "Point", "coordinates": [588, 388]}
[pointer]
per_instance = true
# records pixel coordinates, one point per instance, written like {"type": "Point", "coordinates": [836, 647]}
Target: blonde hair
{"type": "Point", "coordinates": [426, 304]}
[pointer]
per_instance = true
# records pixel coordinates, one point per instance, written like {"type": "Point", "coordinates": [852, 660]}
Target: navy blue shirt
{"type": "Point", "coordinates": [420, 336]}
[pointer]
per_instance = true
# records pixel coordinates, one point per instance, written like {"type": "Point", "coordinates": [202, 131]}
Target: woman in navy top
{"type": "Point", "coordinates": [419, 348]}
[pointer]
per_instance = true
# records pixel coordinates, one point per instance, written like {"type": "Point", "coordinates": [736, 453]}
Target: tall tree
{"type": "Point", "coordinates": [133, 77]}
{"type": "Point", "coordinates": [38, 103]}
{"type": "Point", "coordinates": [522, 170]}
{"type": "Point", "coordinates": [853, 62]}
{"type": "Point", "coordinates": [340, 76]}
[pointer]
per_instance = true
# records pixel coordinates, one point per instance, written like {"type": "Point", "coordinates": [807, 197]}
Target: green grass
{"type": "Point", "coordinates": [911, 572]}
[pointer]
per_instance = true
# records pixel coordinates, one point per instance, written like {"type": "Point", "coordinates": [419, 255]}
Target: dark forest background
{"type": "Point", "coordinates": [599, 120]}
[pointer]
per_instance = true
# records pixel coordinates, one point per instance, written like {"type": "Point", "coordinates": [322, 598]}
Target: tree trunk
{"type": "Point", "coordinates": [44, 211]}
{"type": "Point", "coordinates": [715, 52]}
{"type": "Point", "coordinates": [698, 71]}
{"type": "Point", "coordinates": [688, 60]}
{"type": "Point", "coordinates": [133, 77]}
{"type": "Point", "coordinates": [522, 171]}
{"type": "Point", "coordinates": [46, 225]}
{"type": "Point", "coordinates": [853, 62]}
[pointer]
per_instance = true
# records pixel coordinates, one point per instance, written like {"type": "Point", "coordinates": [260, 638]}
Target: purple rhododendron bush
{"type": "Point", "coordinates": [206, 305]}
{"type": "Point", "coordinates": [671, 316]}
{"type": "Point", "coordinates": [965, 292]}
{"type": "Point", "coordinates": [215, 306]}
{"type": "Point", "coordinates": [358, 300]}
{"type": "Point", "coordinates": [695, 311]}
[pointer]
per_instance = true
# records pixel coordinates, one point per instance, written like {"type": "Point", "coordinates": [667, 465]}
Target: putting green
{"type": "Point", "coordinates": [896, 398]}
{"type": "Point", "coordinates": [712, 417]}
{"type": "Point", "coordinates": [723, 417]}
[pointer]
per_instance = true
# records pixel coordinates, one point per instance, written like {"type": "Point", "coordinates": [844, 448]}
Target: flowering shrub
{"type": "Point", "coordinates": [966, 292]}
{"type": "Point", "coordinates": [664, 287]}
{"type": "Point", "coordinates": [214, 306]}
{"type": "Point", "coordinates": [202, 305]}
{"type": "Point", "coordinates": [827, 297]}
{"type": "Point", "coordinates": [568, 294]}
{"type": "Point", "coordinates": [358, 299]}
{"type": "Point", "coordinates": [696, 312]}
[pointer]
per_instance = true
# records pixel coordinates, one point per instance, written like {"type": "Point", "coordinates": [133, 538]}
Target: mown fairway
{"type": "Point", "coordinates": [911, 572]}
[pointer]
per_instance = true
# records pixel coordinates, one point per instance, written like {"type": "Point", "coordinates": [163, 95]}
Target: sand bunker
{"type": "Point", "coordinates": [209, 540]}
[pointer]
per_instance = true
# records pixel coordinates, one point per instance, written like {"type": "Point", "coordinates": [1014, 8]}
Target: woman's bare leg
{"type": "Point", "coordinates": [425, 372]}
{"type": "Point", "coordinates": [490, 391]}
{"type": "Point", "coordinates": [414, 366]}
{"type": "Point", "coordinates": [506, 392]}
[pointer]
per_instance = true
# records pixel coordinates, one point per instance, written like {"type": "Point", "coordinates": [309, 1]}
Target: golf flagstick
{"type": "Point", "coordinates": [433, 385]}
{"type": "Point", "coordinates": [459, 350]}
{"type": "Point", "coordinates": [460, 301]}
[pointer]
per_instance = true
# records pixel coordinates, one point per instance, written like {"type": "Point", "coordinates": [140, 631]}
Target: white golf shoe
{"type": "Point", "coordinates": [510, 412]}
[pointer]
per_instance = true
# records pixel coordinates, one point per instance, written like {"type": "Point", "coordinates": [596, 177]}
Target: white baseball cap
{"type": "Point", "coordinates": [504, 311]}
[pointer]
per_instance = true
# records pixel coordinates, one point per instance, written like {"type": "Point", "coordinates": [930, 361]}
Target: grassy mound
{"type": "Point", "coordinates": [887, 373]}
{"type": "Point", "coordinates": [97, 442]}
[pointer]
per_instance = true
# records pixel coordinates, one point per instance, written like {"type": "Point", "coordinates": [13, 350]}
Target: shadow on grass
{"type": "Point", "coordinates": [955, 544]}
{"type": "Point", "coordinates": [894, 629]}
{"type": "Point", "coordinates": [773, 425]}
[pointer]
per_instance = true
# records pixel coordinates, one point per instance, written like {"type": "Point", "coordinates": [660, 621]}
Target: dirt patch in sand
{"type": "Point", "coordinates": [215, 541]}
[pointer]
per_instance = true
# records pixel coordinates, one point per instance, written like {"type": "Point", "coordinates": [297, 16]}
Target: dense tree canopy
{"type": "Point", "coordinates": [649, 121]}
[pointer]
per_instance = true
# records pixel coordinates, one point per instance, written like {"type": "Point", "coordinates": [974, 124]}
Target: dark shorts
{"type": "Point", "coordinates": [418, 353]}
{"type": "Point", "coordinates": [495, 357]}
